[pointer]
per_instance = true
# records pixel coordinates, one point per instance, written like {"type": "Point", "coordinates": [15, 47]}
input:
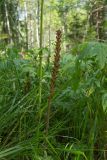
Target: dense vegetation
{"type": "Point", "coordinates": [53, 80]}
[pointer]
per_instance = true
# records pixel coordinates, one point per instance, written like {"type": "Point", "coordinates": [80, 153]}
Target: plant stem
{"type": "Point", "coordinates": [41, 53]}
{"type": "Point", "coordinates": [40, 75]}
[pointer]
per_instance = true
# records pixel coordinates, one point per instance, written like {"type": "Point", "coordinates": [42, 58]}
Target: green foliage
{"type": "Point", "coordinates": [95, 50]}
{"type": "Point", "coordinates": [78, 129]}
{"type": "Point", "coordinates": [78, 120]}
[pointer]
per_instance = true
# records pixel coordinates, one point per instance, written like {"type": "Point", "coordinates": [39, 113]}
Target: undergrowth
{"type": "Point", "coordinates": [77, 129]}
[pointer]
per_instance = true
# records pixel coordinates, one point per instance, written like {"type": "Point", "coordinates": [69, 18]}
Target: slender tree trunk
{"type": "Point", "coordinates": [8, 23]}
{"type": "Point", "coordinates": [97, 19]}
{"type": "Point", "coordinates": [37, 23]}
{"type": "Point", "coordinates": [26, 25]}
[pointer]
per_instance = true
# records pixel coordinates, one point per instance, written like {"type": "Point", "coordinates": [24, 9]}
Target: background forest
{"type": "Point", "coordinates": [53, 79]}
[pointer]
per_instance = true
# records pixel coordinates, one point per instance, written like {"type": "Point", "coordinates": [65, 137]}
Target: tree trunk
{"type": "Point", "coordinates": [8, 23]}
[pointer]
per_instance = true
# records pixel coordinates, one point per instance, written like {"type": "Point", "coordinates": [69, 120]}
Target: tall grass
{"type": "Point", "coordinates": [77, 129]}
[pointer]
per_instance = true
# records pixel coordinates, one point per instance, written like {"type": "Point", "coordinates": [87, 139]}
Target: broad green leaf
{"type": "Point", "coordinates": [104, 102]}
{"type": "Point", "coordinates": [96, 50]}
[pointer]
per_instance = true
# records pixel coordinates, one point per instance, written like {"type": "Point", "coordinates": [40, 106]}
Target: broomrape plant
{"type": "Point", "coordinates": [77, 102]}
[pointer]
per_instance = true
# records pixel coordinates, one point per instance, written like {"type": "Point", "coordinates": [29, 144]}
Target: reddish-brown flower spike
{"type": "Point", "coordinates": [54, 74]}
